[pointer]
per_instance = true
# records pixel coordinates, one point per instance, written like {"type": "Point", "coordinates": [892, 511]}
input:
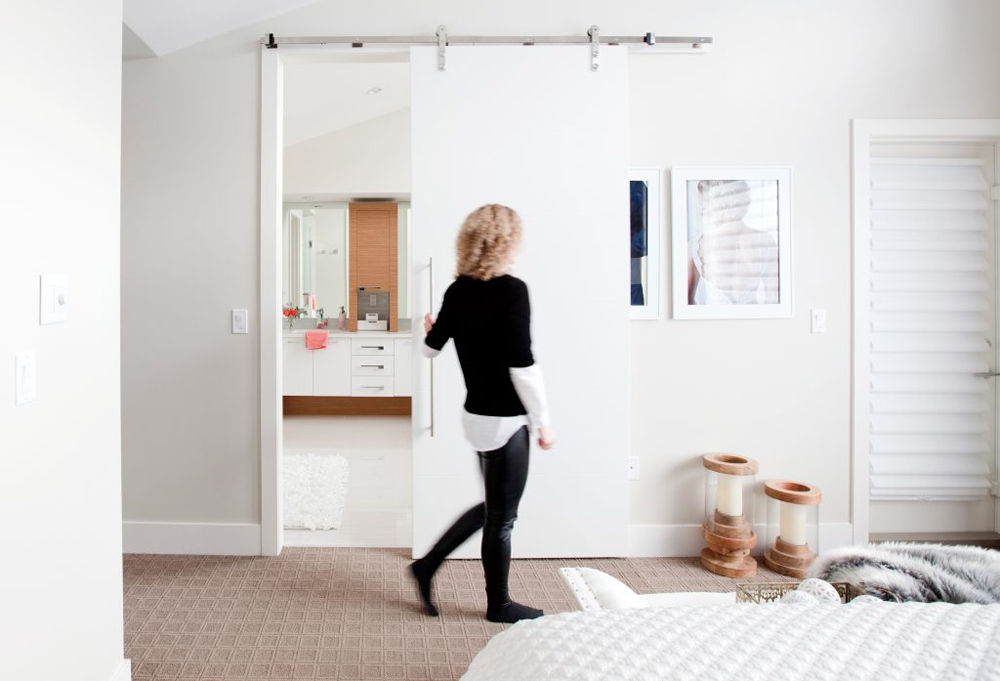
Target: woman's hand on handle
{"type": "Point", "coordinates": [428, 323]}
{"type": "Point", "coordinates": [546, 437]}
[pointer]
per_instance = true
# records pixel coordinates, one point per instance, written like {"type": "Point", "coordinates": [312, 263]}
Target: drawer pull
{"type": "Point", "coordinates": [373, 366]}
{"type": "Point", "coordinates": [372, 387]}
{"type": "Point", "coordinates": [373, 347]}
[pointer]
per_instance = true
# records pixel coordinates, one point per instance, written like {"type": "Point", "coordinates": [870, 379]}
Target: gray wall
{"type": "Point", "coordinates": [781, 86]}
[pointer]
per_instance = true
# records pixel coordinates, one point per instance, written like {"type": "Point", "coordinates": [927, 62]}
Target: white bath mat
{"type": "Point", "coordinates": [315, 490]}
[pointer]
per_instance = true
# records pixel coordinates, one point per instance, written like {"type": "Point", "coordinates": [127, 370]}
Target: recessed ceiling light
{"type": "Point", "coordinates": [373, 91]}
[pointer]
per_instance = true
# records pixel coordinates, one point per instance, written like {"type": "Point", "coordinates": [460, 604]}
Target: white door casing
{"type": "Point", "coordinates": [886, 295]}
{"type": "Point", "coordinates": [537, 130]}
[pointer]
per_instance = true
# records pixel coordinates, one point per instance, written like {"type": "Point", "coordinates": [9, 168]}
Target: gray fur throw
{"type": "Point", "coordinates": [915, 572]}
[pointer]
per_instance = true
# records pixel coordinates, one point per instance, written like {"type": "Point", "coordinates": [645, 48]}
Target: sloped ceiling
{"type": "Point", "coordinates": [164, 26]}
{"type": "Point", "coordinates": [133, 46]}
{"type": "Point", "coordinates": [323, 97]}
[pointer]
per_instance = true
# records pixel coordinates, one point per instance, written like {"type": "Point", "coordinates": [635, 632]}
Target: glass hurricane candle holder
{"type": "Point", "coordinates": [792, 526]}
{"type": "Point", "coordinates": [729, 508]}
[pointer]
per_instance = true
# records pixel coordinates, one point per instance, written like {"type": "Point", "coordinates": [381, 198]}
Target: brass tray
{"type": "Point", "coordinates": [770, 592]}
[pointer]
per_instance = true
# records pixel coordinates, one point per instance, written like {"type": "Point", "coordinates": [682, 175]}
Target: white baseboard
{"type": "Point", "coordinates": [243, 539]}
{"type": "Point", "coordinates": [223, 539]}
{"type": "Point", "coordinates": [680, 541]}
{"type": "Point", "coordinates": [124, 671]}
{"type": "Point", "coordinates": [664, 541]}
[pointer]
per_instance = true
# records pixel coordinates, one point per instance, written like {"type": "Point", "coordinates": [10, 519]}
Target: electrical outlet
{"type": "Point", "coordinates": [633, 468]}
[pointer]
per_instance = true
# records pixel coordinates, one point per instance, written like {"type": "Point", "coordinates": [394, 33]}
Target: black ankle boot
{"type": "Point", "coordinates": [423, 578]}
{"type": "Point", "coordinates": [512, 612]}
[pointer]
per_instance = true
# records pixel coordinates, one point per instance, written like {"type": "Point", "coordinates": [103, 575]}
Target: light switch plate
{"type": "Point", "coordinates": [819, 321]}
{"type": "Point", "coordinates": [240, 321]}
{"type": "Point", "coordinates": [53, 300]}
{"type": "Point", "coordinates": [24, 377]}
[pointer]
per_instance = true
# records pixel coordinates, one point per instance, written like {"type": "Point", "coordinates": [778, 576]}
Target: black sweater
{"type": "Point", "coordinates": [489, 321]}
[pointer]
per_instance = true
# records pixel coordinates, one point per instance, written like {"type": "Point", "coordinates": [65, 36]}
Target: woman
{"type": "Point", "coordinates": [486, 312]}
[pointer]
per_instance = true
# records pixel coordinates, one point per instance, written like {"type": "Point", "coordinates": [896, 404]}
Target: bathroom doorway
{"type": "Point", "coordinates": [346, 445]}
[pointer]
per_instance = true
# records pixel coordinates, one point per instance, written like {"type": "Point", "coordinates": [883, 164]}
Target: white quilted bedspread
{"type": "Point", "coordinates": [878, 641]}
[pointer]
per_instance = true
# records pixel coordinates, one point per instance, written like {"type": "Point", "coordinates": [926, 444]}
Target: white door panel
{"type": "Point", "coordinates": [931, 416]}
{"type": "Point", "coordinates": [535, 129]}
{"type": "Point", "coordinates": [332, 369]}
{"type": "Point", "coordinates": [296, 367]}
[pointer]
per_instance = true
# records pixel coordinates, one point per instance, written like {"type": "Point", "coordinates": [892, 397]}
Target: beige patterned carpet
{"type": "Point", "coordinates": [349, 614]}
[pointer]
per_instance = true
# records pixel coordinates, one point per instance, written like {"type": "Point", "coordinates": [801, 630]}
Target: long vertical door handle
{"type": "Point", "coordinates": [430, 268]}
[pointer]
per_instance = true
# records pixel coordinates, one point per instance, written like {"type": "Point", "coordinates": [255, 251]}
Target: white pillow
{"type": "Point", "coordinates": [595, 590]}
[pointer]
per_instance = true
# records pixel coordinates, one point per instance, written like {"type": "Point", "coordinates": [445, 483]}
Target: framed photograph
{"type": "Point", "coordinates": [645, 192]}
{"type": "Point", "coordinates": [732, 248]}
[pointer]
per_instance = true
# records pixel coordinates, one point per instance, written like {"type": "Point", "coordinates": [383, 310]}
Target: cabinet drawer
{"type": "Point", "coordinates": [371, 346]}
{"type": "Point", "coordinates": [371, 386]}
{"type": "Point", "coordinates": [371, 365]}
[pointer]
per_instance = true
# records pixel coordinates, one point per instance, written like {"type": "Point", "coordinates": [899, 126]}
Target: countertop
{"type": "Point", "coordinates": [404, 331]}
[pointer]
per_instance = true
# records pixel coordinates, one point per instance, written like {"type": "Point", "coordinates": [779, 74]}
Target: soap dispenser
{"type": "Point", "coordinates": [342, 319]}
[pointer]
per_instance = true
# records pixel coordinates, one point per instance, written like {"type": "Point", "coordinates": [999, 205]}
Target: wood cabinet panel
{"type": "Point", "coordinates": [374, 246]}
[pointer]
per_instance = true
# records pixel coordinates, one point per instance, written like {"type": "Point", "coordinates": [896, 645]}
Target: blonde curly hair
{"type": "Point", "coordinates": [487, 241]}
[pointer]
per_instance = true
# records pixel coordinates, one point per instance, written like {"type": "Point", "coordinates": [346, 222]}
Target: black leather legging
{"type": "Point", "coordinates": [505, 472]}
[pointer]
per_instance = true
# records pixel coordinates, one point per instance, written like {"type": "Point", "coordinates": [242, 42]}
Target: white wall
{"type": "Point", "coordinates": [370, 158]}
{"type": "Point", "coordinates": [60, 456]}
{"type": "Point", "coordinates": [780, 87]}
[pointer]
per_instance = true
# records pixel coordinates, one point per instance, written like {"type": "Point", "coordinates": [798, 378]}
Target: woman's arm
{"type": "Point", "coordinates": [530, 388]}
{"type": "Point", "coordinates": [525, 374]}
{"type": "Point", "coordinates": [427, 350]}
{"type": "Point", "coordinates": [438, 330]}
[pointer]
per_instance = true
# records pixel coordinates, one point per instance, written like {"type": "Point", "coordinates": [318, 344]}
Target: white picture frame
{"type": "Point", "coordinates": [650, 265]}
{"type": "Point", "coordinates": [744, 271]}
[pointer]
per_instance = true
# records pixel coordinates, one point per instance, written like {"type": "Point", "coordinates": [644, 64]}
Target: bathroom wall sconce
{"type": "Point", "coordinates": [792, 526]}
{"type": "Point", "coordinates": [729, 511]}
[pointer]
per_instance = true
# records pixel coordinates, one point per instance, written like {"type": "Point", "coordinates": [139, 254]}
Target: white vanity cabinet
{"type": "Point", "coordinates": [376, 365]}
{"type": "Point", "coordinates": [329, 377]}
{"type": "Point", "coordinates": [402, 361]}
{"type": "Point", "coordinates": [297, 367]}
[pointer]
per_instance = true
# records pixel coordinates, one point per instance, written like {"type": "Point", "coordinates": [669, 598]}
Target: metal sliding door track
{"type": "Point", "coordinates": [442, 40]}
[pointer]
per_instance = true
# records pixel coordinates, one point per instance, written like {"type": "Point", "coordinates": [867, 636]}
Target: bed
{"type": "Point", "coordinates": [879, 641]}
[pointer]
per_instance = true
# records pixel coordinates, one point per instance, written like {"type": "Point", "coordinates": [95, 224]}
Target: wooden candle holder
{"type": "Point", "coordinates": [729, 538]}
{"type": "Point", "coordinates": [791, 560]}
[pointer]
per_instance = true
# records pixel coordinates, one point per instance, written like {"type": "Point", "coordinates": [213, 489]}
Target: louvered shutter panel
{"type": "Point", "coordinates": [931, 280]}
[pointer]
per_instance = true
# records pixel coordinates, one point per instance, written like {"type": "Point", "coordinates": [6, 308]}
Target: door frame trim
{"type": "Point", "coordinates": [270, 414]}
{"type": "Point", "coordinates": [864, 132]}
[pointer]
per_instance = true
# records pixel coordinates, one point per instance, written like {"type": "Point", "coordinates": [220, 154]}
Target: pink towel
{"type": "Point", "coordinates": [316, 340]}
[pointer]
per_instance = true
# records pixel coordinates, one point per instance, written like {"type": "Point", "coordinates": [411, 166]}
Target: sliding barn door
{"type": "Point", "coordinates": [533, 128]}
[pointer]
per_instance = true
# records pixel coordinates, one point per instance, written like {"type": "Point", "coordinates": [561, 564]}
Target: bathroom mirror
{"type": "Point", "coordinates": [316, 247]}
